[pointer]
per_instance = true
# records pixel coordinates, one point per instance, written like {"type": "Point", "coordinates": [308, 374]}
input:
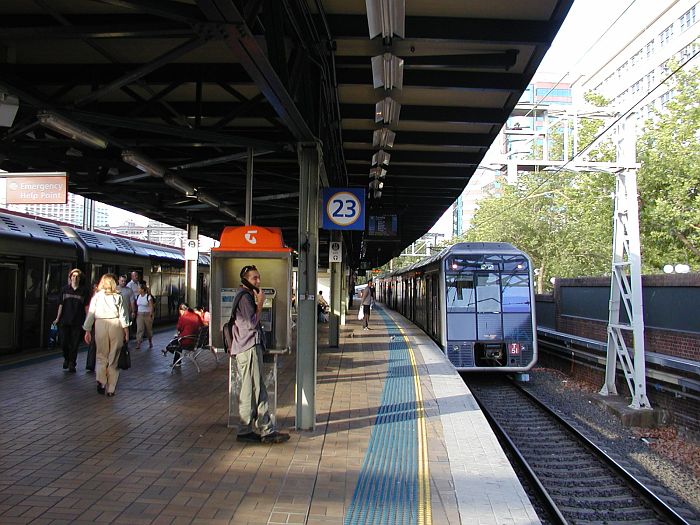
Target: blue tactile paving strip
{"type": "Point", "coordinates": [391, 487]}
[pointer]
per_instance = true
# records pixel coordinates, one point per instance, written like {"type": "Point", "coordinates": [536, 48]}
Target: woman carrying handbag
{"type": "Point", "coordinates": [110, 317]}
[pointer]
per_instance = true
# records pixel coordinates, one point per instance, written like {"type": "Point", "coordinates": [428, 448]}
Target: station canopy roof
{"type": "Point", "coordinates": [153, 105]}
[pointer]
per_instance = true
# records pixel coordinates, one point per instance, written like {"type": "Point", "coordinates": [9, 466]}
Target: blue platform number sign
{"type": "Point", "coordinates": [344, 208]}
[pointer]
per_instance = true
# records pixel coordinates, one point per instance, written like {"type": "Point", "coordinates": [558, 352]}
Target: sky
{"type": "Point", "coordinates": [576, 44]}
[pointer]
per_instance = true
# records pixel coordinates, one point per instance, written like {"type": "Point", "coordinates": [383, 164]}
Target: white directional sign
{"type": "Point", "coordinates": [335, 252]}
{"type": "Point", "coordinates": [191, 249]}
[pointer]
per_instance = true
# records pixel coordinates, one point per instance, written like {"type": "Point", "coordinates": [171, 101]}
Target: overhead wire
{"type": "Point", "coordinates": [598, 137]}
{"type": "Point", "coordinates": [580, 59]}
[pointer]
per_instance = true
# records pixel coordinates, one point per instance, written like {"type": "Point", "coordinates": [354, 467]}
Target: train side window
{"type": "Point", "coordinates": [516, 293]}
{"type": "Point", "coordinates": [460, 293]}
{"type": "Point", "coordinates": [488, 293]}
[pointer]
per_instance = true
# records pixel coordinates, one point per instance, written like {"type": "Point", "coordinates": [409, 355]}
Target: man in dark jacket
{"type": "Point", "coordinates": [247, 346]}
{"type": "Point", "coordinates": [74, 301]}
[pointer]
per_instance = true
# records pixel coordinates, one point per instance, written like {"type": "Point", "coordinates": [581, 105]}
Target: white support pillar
{"type": "Point", "coordinates": [307, 345]}
{"type": "Point", "coordinates": [88, 214]}
{"type": "Point", "coordinates": [336, 292]}
{"type": "Point", "coordinates": [191, 268]}
{"type": "Point", "coordinates": [626, 280]}
{"type": "Point", "coordinates": [344, 273]}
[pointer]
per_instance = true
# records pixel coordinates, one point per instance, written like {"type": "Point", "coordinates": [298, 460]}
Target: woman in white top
{"type": "Point", "coordinates": [110, 317]}
{"type": "Point", "coordinates": [145, 309]}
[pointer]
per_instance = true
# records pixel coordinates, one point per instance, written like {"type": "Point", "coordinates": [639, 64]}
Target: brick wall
{"type": "Point", "coordinates": [659, 340]}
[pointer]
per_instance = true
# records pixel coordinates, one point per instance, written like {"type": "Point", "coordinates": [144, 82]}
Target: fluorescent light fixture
{"type": "Point", "coordinates": [386, 17]}
{"type": "Point", "coordinates": [383, 138]}
{"type": "Point", "coordinates": [8, 109]}
{"type": "Point", "coordinates": [180, 185]}
{"type": "Point", "coordinates": [71, 129]}
{"type": "Point", "coordinates": [143, 163]}
{"type": "Point", "coordinates": [205, 198]}
{"type": "Point", "coordinates": [377, 173]}
{"type": "Point", "coordinates": [387, 71]}
{"type": "Point", "coordinates": [226, 210]}
{"type": "Point", "coordinates": [376, 184]}
{"type": "Point", "coordinates": [387, 111]}
{"type": "Point", "coordinates": [381, 158]}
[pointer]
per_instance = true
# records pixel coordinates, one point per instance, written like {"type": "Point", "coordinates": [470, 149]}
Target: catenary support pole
{"type": "Point", "coordinates": [191, 268]}
{"type": "Point", "coordinates": [626, 280]}
{"type": "Point", "coordinates": [309, 175]}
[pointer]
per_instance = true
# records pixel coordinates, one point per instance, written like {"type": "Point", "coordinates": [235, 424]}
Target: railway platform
{"type": "Point", "coordinates": [398, 439]}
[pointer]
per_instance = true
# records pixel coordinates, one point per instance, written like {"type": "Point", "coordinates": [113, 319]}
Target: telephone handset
{"type": "Point", "coordinates": [249, 285]}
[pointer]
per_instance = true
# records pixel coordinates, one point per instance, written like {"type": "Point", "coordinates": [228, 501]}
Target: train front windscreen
{"type": "Point", "coordinates": [489, 317]}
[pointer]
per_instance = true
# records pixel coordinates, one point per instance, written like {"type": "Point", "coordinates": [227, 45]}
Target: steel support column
{"type": "Point", "coordinates": [249, 189]}
{"type": "Point", "coordinates": [336, 292]}
{"type": "Point", "coordinates": [191, 269]}
{"type": "Point", "coordinates": [309, 175]}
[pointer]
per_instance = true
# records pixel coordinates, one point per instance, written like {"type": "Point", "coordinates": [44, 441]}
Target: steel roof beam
{"type": "Point", "coordinates": [431, 114]}
{"type": "Point", "coordinates": [483, 30]}
{"type": "Point", "coordinates": [495, 60]}
{"type": "Point", "coordinates": [428, 157]}
{"type": "Point", "coordinates": [118, 30]}
{"type": "Point", "coordinates": [441, 78]}
{"type": "Point", "coordinates": [201, 135]}
{"type": "Point", "coordinates": [142, 71]}
{"type": "Point", "coordinates": [161, 8]}
{"type": "Point", "coordinates": [253, 59]}
{"type": "Point", "coordinates": [422, 138]}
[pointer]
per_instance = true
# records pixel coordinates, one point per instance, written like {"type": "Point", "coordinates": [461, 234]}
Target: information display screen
{"type": "Point", "coordinates": [383, 226]}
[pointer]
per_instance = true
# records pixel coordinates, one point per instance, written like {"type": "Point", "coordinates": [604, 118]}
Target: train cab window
{"type": "Point", "coordinates": [488, 293]}
{"type": "Point", "coordinates": [460, 293]}
{"type": "Point", "coordinates": [516, 293]}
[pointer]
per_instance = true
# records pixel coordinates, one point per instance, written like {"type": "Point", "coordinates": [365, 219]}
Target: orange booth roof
{"type": "Point", "coordinates": [251, 239]}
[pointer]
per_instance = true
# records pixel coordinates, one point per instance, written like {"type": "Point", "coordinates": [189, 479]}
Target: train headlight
{"type": "Point", "coordinates": [515, 349]}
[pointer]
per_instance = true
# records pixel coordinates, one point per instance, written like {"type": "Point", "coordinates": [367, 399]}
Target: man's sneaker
{"type": "Point", "coordinates": [249, 437]}
{"type": "Point", "coordinates": [275, 437]}
{"type": "Point", "coordinates": [65, 364]}
{"type": "Point", "coordinates": [366, 328]}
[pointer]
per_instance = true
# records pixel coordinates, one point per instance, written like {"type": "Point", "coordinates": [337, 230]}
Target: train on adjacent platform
{"type": "Point", "coordinates": [476, 300]}
{"type": "Point", "coordinates": [37, 254]}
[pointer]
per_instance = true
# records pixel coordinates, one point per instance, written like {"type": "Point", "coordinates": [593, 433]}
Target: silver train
{"type": "Point", "coordinates": [476, 300]}
{"type": "Point", "coordinates": [37, 254]}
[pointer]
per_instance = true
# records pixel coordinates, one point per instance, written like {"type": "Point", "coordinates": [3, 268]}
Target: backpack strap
{"type": "Point", "coordinates": [237, 300]}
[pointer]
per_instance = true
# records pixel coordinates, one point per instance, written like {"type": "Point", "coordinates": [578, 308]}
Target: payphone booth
{"type": "Point", "coordinates": [263, 247]}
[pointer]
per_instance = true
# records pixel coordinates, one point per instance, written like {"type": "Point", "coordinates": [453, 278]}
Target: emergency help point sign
{"type": "Point", "coordinates": [36, 188]}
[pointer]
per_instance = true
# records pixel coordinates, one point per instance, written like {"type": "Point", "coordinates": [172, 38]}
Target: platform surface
{"type": "Point", "coordinates": [159, 452]}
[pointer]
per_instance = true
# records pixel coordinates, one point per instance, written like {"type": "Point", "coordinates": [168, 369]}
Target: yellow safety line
{"type": "Point", "coordinates": [425, 511]}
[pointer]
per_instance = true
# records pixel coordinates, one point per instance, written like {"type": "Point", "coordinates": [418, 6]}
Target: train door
{"type": "Point", "coordinates": [9, 274]}
{"type": "Point", "coordinates": [31, 333]}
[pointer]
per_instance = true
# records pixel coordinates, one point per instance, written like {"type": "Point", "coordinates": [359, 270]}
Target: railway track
{"type": "Point", "coordinates": [575, 481]}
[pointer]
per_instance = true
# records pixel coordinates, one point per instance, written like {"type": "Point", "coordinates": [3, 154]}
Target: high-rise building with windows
{"type": "Point", "coordinates": [627, 74]}
{"type": "Point", "coordinates": [70, 213]}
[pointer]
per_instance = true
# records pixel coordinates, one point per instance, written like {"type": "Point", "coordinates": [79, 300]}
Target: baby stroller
{"type": "Point", "coordinates": [187, 347]}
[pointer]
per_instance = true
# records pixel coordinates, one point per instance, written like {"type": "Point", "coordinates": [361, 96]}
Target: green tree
{"type": "Point", "coordinates": [669, 178]}
{"type": "Point", "coordinates": [563, 221]}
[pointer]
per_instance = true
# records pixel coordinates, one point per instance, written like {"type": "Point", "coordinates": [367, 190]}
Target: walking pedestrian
{"type": "Point", "coordinates": [108, 314]}
{"type": "Point", "coordinates": [75, 298]}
